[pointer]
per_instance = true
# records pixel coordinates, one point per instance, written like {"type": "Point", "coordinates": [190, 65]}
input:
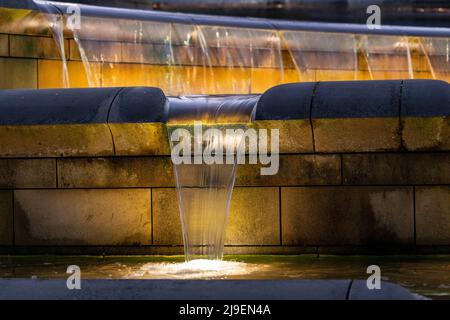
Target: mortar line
{"type": "Point", "coordinates": [310, 115]}
{"type": "Point", "coordinates": [56, 173]}
{"type": "Point", "coordinates": [280, 215]}
{"type": "Point", "coordinates": [13, 220]}
{"type": "Point", "coordinates": [329, 154]}
{"type": "Point", "coordinates": [151, 214]}
{"type": "Point", "coordinates": [414, 217]}
{"type": "Point", "coordinates": [248, 186]}
{"type": "Point", "coordinates": [400, 123]}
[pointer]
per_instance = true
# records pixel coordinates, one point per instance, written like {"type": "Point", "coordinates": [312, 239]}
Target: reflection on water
{"type": "Point", "coordinates": [426, 275]}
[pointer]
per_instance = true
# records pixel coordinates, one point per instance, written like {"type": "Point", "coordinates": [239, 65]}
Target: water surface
{"type": "Point", "coordinates": [426, 275]}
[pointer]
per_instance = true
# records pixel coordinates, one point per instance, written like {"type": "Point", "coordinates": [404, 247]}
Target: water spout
{"type": "Point", "coordinates": [204, 187]}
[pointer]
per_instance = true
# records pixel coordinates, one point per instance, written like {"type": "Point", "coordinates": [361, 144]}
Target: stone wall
{"type": "Point", "coordinates": [31, 59]}
{"type": "Point", "coordinates": [364, 167]}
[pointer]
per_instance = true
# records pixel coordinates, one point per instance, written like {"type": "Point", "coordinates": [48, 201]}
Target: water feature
{"type": "Point", "coordinates": [185, 55]}
{"type": "Point", "coordinates": [205, 187]}
{"type": "Point", "coordinates": [427, 275]}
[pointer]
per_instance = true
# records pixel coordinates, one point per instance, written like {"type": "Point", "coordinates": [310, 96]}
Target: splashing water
{"type": "Point", "coordinates": [195, 269]}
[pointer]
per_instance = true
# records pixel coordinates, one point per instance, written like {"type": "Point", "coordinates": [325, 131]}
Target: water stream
{"type": "Point", "coordinates": [186, 59]}
{"type": "Point", "coordinates": [205, 186]}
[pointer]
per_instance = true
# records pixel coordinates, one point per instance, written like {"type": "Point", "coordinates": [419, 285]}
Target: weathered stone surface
{"type": "Point", "coordinates": [35, 47]}
{"type": "Point", "coordinates": [82, 217]}
{"type": "Point", "coordinates": [138, 289]}
{"type": "Point", "coordinates": [286, 102]}
{"type": "Point", "coordinates": [166, 219]}
{"type": "Point", "coordinates": [115, 172]}
{"type": "Point", "coordinates": [27, 173]}
{"type": "Point", "coordinates": [426, 133]}
{"type": "Point", "coordinates": [6, 218]}
{"type": "Point", "coordinates": [22, 73]}
{"type": "Point", "coordinates": [4, 45]}
{"type": "Point", "coordinates": [425, 115]}
{"type": "Point", "coordinates": [140, 138]}
{"type": "Point", "coordinates": [396, 168]}
{"type": "Point", "coordinates": [433, 215]}
{"type": "Point", "coordinates": [356, 116]}
{"type": "Point", "coordinates": [138, 105]}
{"type": "Point", "coordinates": [293, 170]}
{"type": "Point", "coordinates": [356, 134]}
{"type": "Point", "coordinates": [295, 136]}
{"type": "Point", "coordinates": [55, 140]}
{"type": "Point", "coordinates": [347, 216]}
{"type": "Point", "coordinates": [254, 217]}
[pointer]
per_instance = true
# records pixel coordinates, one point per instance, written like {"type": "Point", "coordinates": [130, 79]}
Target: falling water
{"type": "Point", "coordinates": [184, 58]}
{"type": "Point", "coordinates": [56, 24]}
{"type": "Point", "coordinates": [205, 189]}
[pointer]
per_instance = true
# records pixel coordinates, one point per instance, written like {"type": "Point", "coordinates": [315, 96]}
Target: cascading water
{"type": "Point", "coordinates": [208, 126]}
{"type": "Point", "coordinates": [183, 57]}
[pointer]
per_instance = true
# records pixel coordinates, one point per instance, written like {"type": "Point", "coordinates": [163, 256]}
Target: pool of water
{"type": "Point", "coordinates": [426, 275]}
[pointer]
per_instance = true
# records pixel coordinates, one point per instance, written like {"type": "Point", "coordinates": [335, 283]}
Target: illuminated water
{"type": "Point", "coordinates": [426, 275]}
{"type": "Point", "coordinates": [184, 59]}
{"type": "Point", "coordinates": [204, 189]}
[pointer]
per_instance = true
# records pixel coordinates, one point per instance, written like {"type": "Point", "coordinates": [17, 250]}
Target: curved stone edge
{"type": "Point", "coordinates": [365, 116]}
{"type": "Point", "coordinates": [324, 117]}
{"type": "Point", "coordinates": [83, 122]}
{"type": "Point", "coordinates": [203, 290]}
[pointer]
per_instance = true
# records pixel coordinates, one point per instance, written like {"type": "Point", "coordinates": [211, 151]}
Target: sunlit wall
{"type": "Point", "coordinates": [185, 58]}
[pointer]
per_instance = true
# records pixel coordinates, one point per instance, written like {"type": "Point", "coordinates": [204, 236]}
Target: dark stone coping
{"type": "Point", "coordinates": [82, 106]}
{"type": "Point", "coordinates": [161, 289]}
{"type": "Point", "coordinates": [425, 98]}
{"type": "Point", "coordinates": [355, 99]}
{"type": "Point", "coordinates": [320, 100]}
{"type": "Point", "coordinates": [226, 21]}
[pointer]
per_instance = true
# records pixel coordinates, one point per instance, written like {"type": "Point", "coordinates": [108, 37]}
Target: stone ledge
{"type": "Point", "coordinates": [55, 140]}
{"type": "Point", "coordinates": [359, 116]}
{"type": "Point", "coordinates": [425, 115]}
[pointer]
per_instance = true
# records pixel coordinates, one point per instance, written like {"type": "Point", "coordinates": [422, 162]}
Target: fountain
{"type": "Point", "coordinates": [193, 58]}
{"type": "Point", "coordinates": [187, 54]}
{"type": "Point", "coordinates": [205, 186]}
